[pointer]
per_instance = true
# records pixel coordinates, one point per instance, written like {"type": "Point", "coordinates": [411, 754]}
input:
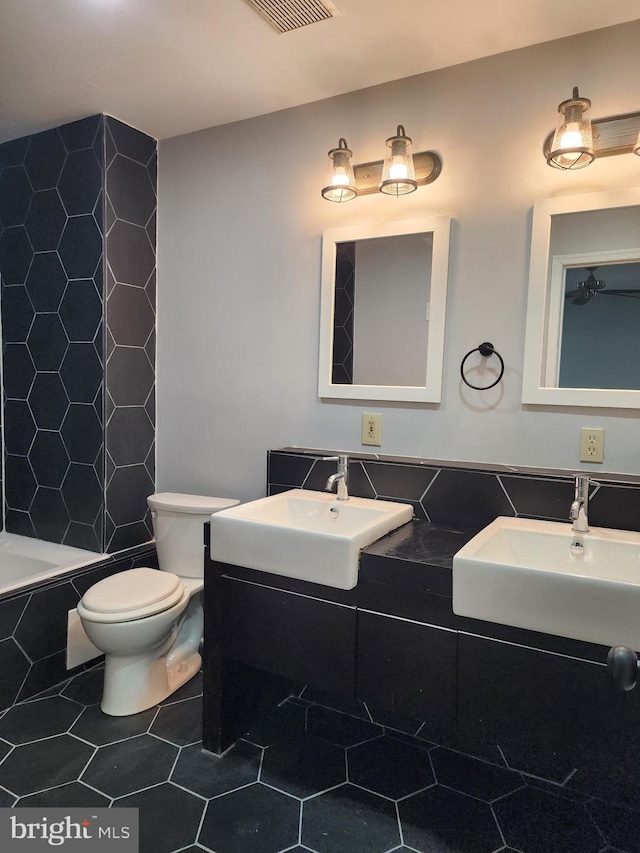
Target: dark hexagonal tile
{"type": "Point", "coordinates": [19, 370]}
{"type": "Point", "coordinates": [71, 795]}
{"type": "Point", "coordinates": [210, 775]}
{"type": "Point", "coordinates": [81, 373]}
{"type": "Point", "coordinates": [130, 316]}
{"type": "Point", "coordinates": [439, 819]}
{"type": "Point", "coordinates": [340, 728]}
{"type": "Point", "coordinates": [82, 433]}
{"type": "Point", "coordinates": [80, 182]}
{"type": "Point", "coordinates": [19, 522]}
{"type": "Point", "coordinates": [82, 493]}
{"type": "Point", "coordinates": [19, 428]}
{"type": "Point", "coordinates": [86, 688]}
{"type": "Point", "coordinates": [46, 281]}
{"type": "Point", "coordinates": [38, 634]}
{"type": "Point", "coordinates": [130, 190]}
{"type": "Point", "coordinates": [283, 723]}
{"type": "Point", "coordinates": [20, 484]}
{"type": "Point", "coordinates": [12, 153]}
{"type": "Point", "coordinates": [129, 141]}
{"type": "Point", "coordinates": [49, 514]}
{"type": "Point", "coordinates": [99, 729]}
{"type": "Point", "coordinates": [16, 254]}
{"type": "Point", "coordinates": [348, 819]}
{"type": "Point", "coordinates": [255, 819]}
{"type": "Point", "coordinates": [471, 776]}
{"type": "Point", "coordinates": [531, 819]}
{"type": "Point", "coordinates": [46, 763]}
{"type": "Point", "coordinates": [48, 401]}
{"type": "Point", "coordinates": [390, 767]}
{"type": "Point", "coordinates": [130, 435]}
{"type": "Point", "coordinates": [81, 310]}
{"type": "Point", "coordinates": [130, 765]}
{"type": "Point", "coordinates": [304, 766]}
{"type": "Point", "coordinates": [49, 459]}
{"type": "Point", "coordinates": [130, 376]}
{"type": "Point", "coordinates": [81, 133]}
{"type": "Point", "coordinates": [47, 342]}
{"type": "Point", "coordinates": [15, 666]}
{"type": "Point", "coordinates": [80, 246]}
{"type": "Point", "coordinates": [169, 818]}
{"type": "Point", "coordinates": [45, 220]}
{"type": "Point", "coordinates": [44, 160]}
{"type": "Point", "coordinates": [130, 253]}
{"type": "Point", "coordinates": [180, 722]}
{"type": "Point", "coordinates": [475, 496]}
{"type": "Point", "coordinates": [15, 196]}
{"type": "Point", "coordinates": [40, 719]}
{"type": "Point", "coordinates": [17, 314]}
{"type": "Point", "coordinates": [127, 494]}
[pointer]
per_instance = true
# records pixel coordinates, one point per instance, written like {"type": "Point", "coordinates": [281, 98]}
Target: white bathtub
{"type": "Point", "coordinates": [25, 561]}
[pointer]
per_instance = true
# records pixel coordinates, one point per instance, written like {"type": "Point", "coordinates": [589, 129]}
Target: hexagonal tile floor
{"type": "Point", "coordinates": [306, 779]}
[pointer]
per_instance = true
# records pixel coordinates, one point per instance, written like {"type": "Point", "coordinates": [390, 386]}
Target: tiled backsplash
{"type": "Point", "coordinates": [461, 494]}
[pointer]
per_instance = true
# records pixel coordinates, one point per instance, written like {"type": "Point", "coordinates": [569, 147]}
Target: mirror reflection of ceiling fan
{"type": "Point", "coordinates": [592, 286]}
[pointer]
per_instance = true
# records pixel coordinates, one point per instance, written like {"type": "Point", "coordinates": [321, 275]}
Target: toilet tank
{"type": "Point", "coordinates": [178, 525]}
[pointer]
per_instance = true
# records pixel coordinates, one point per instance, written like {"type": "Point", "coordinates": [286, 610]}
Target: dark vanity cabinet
{"type": "Point", "coordinates": [295, 636]}
{"type": "Point", "coordinates": [551, 715]}
{"type": "Point", "coordinates": [408, 668]}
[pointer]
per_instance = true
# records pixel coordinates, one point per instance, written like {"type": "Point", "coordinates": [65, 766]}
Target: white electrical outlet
{"type": "Point", "coordinates": [592, 445]}
{"type": "Point", "coordinates": [372, 429]}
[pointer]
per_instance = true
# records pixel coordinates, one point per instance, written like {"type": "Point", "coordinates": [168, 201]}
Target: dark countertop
{"type": "Point", "coordinates": [418, 555]}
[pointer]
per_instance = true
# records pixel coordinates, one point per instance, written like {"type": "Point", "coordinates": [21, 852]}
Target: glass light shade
{"type": "Point", "coordinates": [341, 183]}
{"type": "Point", "coordinates": [572, 146]}
{"type": "Point", "coordinates": [398, 173]}
{"type": "Point", "coordinates": [636, 147]}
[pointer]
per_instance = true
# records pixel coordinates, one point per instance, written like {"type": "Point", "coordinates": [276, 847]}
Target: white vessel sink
{"type": "Point", "coordinates": [304, 534]}
{"type": "Point", "coordinates": [529, 574]}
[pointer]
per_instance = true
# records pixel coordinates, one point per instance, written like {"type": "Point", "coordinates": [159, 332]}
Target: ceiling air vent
{"type": "Point", "coordinates": [287, 15]}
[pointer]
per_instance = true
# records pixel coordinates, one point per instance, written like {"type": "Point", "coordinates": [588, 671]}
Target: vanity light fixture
{"type": "Point", "coordinates": [578, 140]}
{"type": "Point", "coordinates": [398, 173]}
{"type": "Point", "coordinates": [341, 184]}
{"type": "Point", "coordinates": [572, 146]}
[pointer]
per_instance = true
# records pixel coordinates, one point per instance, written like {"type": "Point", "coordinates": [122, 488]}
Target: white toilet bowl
{"type": "Point", "coordinates": [148, 622]}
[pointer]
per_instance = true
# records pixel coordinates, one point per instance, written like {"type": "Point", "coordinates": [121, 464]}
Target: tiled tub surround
{"type": "Point", "coordinates": [392, 649]}
{"type": "Point", "coordinates": [33, 626]}
{"type": "Point", "coordinates": [77, 263]}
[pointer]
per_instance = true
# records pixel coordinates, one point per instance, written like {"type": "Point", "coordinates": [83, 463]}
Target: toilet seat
{"type": "Point", "coordinates": [130, 595]}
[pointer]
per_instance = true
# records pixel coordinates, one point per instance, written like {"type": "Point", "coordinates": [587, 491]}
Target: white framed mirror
{"type": "Point", "coordinates": [582, 346]}
{"type": "Point", "coordinates": [382, 312]}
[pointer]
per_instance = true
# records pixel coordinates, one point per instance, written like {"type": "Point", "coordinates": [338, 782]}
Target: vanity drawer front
{"type": "Point", "coordinates": [294, 636]}
{"type": "Point", "coordinates": [409, 668]}
{"type": "Point", "coordinates": [556, 717]}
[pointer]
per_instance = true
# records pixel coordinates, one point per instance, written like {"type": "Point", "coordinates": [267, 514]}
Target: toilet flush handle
{"type": "Point", "coordinates": [154, 513]}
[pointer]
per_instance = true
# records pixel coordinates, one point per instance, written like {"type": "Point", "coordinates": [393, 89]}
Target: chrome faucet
{"type": "Point", "coordinates": [579, 512]}
{"type": "Point", "coordinates": [341, 477]}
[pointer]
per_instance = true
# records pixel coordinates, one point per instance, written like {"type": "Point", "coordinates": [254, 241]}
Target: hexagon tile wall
{"type": "Point", "coordinates": [77, 263]}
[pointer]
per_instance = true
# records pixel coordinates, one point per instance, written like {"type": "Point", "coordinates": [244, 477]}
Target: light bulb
{"type": "Point", "coordinates": [397, 171]}
{"type": "Point", "coordinates": [340, 180]}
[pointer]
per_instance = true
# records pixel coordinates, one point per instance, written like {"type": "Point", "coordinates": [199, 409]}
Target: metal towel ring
{"type": "Point", "coordinates": [485, 349]}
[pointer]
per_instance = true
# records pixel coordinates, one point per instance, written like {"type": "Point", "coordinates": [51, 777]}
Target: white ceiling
{"type": "Point", "coordinates": [173, 66]}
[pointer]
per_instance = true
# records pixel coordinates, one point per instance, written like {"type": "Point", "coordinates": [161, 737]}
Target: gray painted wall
{"type": "Point", "coordinates": [240, 225]}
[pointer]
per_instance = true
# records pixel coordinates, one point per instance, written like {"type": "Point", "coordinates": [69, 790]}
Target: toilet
{"type": "Point", "coordinates": [148, 622]}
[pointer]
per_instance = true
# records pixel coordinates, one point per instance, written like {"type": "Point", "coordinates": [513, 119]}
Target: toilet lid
{"type": "Point", "coordinates": [133, 590]}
